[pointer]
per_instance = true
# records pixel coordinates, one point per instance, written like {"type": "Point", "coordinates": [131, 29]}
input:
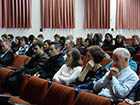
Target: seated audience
{"type": "Point", "coordinates": [71, 70]}
{"type": "Point", "coordinates": [55, 61]}
{"type": "Point", "coordinates": [119, 41]}
{"type": "Point", "coordinates": [108, 43]}
{"type": "Point", "coordinates": [24, 46]}
{"type": "Point", "coordinates": [38, 60]}
{"type": "Point", "coordinates": [6, 58]}
{"type": "Point", "coordinates": [118, 82]}
{"type": "Point", "coordinates": [133, 65]}
{"type": "Point", "coordinates": [136, 43]}
{"type": "Point", "coordinates": [93, 70]}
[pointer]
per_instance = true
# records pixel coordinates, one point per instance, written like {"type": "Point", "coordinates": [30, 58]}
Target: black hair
{"type": "Point", "coordinates": [48, 41]}
{"type": "Point", "coordinates": [25, 39]}
{"type": "Point", "coordinates": [56, 44]}
{"type": "Point", "coordinates": [132, 51]}
{"type": "Point", "coordinates": [4, 35]}
{"type": "Point", "coordinates": [11, 36]}
{"type": "Point", "coordinates": [37, 42]}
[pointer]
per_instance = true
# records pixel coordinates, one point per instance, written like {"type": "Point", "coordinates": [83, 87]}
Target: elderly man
{"type": "Point", "coordinates": [118, 82]}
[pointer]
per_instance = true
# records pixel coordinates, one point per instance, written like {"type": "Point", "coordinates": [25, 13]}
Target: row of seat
{"type": "Point", "coordinates": [38, 91]}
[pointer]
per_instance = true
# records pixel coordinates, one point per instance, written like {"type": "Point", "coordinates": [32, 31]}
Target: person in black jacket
{"type": "Point", "coordinates": [38, 60]}
{"type": "Point", "coordinates": [134, 95]}
{"type": "Point", "coordinates": [6, 58]}
{"type": "Point", "coordinates": [108, 43]}
{"type": "Point", "coordinates": [54, 63]}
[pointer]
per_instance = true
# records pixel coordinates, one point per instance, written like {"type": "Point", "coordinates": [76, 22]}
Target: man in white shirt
{"type": "Point", "coordinates": [118, 82]}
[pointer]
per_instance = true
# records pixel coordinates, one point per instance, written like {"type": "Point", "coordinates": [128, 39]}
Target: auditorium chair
{"type": "Point", "coordinates": [106, 61]}
{"type": "Point", "coordinates": [59, 94]}
{"type": "Point", "coordinates": [85, 98]}
{"type": "Point", "coordinates": [35, 90]}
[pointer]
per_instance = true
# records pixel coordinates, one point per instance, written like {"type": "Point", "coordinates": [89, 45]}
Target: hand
{"type": "Point", "coordinates": [113, 72]}
{"type": "Point", "coordinates": [37, 74]}
{"type": "Point", "coordinates": [90, 64]}
{"type": "Point", "coordinates": [128, 101]}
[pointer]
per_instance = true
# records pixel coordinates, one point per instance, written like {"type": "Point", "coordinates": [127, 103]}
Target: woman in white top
{"type": "Point", "coordinates": [71, 70]}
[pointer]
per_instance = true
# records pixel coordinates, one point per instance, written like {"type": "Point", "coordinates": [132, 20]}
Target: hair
{"type": "Point", "coordinates": [31, 38]}
{"type": "Point", "coordinates": [19, 39]}
{"type": "Point", "coordinates": [48, 41]}
{"type": "Point", "coordinates": [70, 42]}
{"type": "Point", "coordinates": [37, 42]}
{"type": "Point", "coordinates": [56, 44]}
{"type": "Point", "coordinates": [110, 36]}
{"type": "Point", "coordinates": [62, 40]}
{"type": "Point", "coordinates": [41, 36]}
{"type": "Point", "coordinates": [4, 35]}
{"type": "Point", "coordinates": [122, 37]}
{"type": "Point", "coordinates": [132, 51]}
{"type": "Point", "coordinates": [56, 35]}
{"type": "Point", "coordinates": [76, 57]}
{"type": "Point", "coordinates": [70, 37]}
{"type": "Point", "coordinates": [124, 53]}
{"type": "Point", "coordinates": [7, 42]}
{"type": "Point", "coordinates": [11, 36]}
{"type": "Point", "coordinates": [136, 37]}
{"type": "Point", "coordinates": [25, 39]}
{"type": "Point", "coordinates": [97, 53]}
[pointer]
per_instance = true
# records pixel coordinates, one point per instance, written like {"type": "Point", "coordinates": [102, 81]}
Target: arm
{"type": "Point", "coordinates": [101, 82]}
{"type": "Point", "coordinates": [122, 90]}
{"type": "Point", "coordinates": [83, 74]}
{"type": "Point", "coordinates": [71, 78]}
{"type": "Point", "coordinates": [56, 76]}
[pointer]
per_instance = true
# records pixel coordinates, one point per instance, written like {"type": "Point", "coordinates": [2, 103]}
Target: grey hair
{"type": "Point", "coordinates": [7, 42]}
{"type": "Point", "coordinates": [124, 53]}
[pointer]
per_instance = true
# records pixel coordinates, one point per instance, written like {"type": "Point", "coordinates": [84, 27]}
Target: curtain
{"type": "Point", "coordinates": [15, 13]}
{"type": "Point", "coordinates": [128, 14]}
{"type": "Point", "coordinates": [58, 13]}
{"type": "Point", "coordinates": [97, 14]}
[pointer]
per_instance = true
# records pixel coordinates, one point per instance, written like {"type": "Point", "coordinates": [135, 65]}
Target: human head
{"type": "Point", "coordinates": [79, 41]}
{"type": "Point", "coordinates": [57, 37]}
{"type": "Point", "coordinates": [55, 48]}
{"type": "Point", "coordinates": [6, 45]}
{"type": "Point", "coordinates": [31, 38]}
{"type": "Point", "coordinates": [38, 47]}
{"type": "Point", "coordinates": [97, 53]}
{"type": "Point", "coordinates": [119, 39]}
{"type": "Point", "coordinates": [69, 44]}
{"type": "Point", "coordinates": [89, 36]}
{"type": "Point", "coordinates": [98, 37]}
{"type": "Point", "coordinates": [73, 58]}
{"type": "Point", "coordinates": [10, 37]}
{"type": "Point", "coordinates": [108, 37]}
{"type": "Point", "coordinates": [121, 58]}
{"type": "Point", "coordinates": [40, 37]}
{"type": "Point", "coordinates": [18, 40]}
{"type": "Point", "coordinates": [86, 42]}
{"type": "Point", "coordinates": [4, 37]}
{"type": "Point", "coordinates": [135, 40]}
{"type": "Point", "coordinates": [24, 41]}
{"type": "Point", "coordinates": [46, 44]}
{"type": "Point", "coordinates": [62, 40]}
{"type": "Point", "coordinates": [69, 37]}
{"type": "Point", "coordinates": [132, 51]}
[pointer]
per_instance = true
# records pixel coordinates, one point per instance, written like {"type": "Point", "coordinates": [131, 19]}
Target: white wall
{"type": "Point", "coordinates": [79, 20]}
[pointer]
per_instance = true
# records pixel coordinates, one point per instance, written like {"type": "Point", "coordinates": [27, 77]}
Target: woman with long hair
{"type": "Point", "coordinates": [71, 70]}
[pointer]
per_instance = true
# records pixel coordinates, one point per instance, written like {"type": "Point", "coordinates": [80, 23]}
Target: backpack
{"type": "Point", "coordinates": [13, 81]}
